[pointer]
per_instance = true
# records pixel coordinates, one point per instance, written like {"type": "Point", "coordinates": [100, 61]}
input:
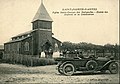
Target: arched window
{"type": "Point", "coordinates": [8, 47]}
{"type": "Point", "coordinates": [18, 47]}
{"type": "Point", "coordinates": [26, 46]}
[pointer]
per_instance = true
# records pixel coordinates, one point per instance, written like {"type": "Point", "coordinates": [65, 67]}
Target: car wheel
{"type": "Point", "coordinates": [91, 65]}
{"type": "Point", "coordinates": [68, 69]}
{"type": "Point", "coordinates": [113, 68]}
{"type": "Point", "coordinates": [60, 69]}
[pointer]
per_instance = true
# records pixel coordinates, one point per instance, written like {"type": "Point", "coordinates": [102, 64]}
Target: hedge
{"type": "Point", "coordinates": [28, 60]}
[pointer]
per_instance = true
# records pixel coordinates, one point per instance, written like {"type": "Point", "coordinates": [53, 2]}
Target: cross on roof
{"type": "Point", "coordinates": [42, 14]}
{"type": "Point", "coordinates": [41, 1]}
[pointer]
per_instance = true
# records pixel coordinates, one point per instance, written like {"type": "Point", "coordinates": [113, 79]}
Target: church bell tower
{"type": "Point", "coordinates": [42, 30]}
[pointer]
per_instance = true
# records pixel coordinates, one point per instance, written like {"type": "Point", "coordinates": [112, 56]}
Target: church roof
{"type": "Point", "coordinates": [56, 39]}
{"type": "Point", "coordinates": [42, 14]}
{"type": "Point", "coordinates": [18, 40]}
{"type": "Point", "coordinates": [25, 33]}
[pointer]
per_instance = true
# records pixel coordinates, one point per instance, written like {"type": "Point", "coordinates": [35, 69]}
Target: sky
{"type": "Point", "coordinates": [16, 17]}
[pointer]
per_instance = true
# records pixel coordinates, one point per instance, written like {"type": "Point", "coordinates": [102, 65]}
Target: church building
{"type": "Point", "coordinates": [37, 40]}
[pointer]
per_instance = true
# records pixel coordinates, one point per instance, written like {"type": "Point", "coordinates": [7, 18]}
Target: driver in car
{"type": "Point", "coordinates": [81, 55]}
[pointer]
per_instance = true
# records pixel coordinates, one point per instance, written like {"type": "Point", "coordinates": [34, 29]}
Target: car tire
{"type": "Point", "coordinates": [60, 70]}
{"type": "Point", "coordinates": [113, 68]}
{"type": "Point", "coordinates": [91, 65]}
{"type": "Point", "coordinates": [68, 69]}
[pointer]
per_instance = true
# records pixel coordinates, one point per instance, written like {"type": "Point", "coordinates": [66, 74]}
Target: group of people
{"type": "Point", "coordinates": [46, 53]}
{"type": "Point", "coordinates": [75, 52]}
{"type": "Point", "coordinates": [65, 53]}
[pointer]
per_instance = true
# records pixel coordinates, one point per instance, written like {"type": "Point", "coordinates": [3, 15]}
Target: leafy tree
{"type": "Point", "coordinates": [89, 46]}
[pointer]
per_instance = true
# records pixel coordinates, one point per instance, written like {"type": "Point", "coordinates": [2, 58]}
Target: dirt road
{"type": "Point", "coordinates": [47, 74]}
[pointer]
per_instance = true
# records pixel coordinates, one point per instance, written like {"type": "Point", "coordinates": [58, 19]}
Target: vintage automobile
{"type": "Point", "coordinates": [68, 66]}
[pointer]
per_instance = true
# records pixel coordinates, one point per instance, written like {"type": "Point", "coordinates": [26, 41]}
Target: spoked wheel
{"type": "Point", "coordinates": [68, 69]}
{"type": "Point", "coordinates": [91, 65]}
{"type": "Point", "coordinates": [113, 68]}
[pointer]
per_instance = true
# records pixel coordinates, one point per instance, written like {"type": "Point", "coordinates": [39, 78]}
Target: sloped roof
{"type": "Point", "coordinates": [28, 32]}
{"type": "Point", "coordinates": [12, 41]}
{"type": "Point", "coordinates": [56, 39]}
{"type": "Point", "coordinates": [42, 14]}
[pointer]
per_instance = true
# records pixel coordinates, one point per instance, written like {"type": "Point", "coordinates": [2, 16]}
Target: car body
{"type": "Point", "coordinates": [68, 66]}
